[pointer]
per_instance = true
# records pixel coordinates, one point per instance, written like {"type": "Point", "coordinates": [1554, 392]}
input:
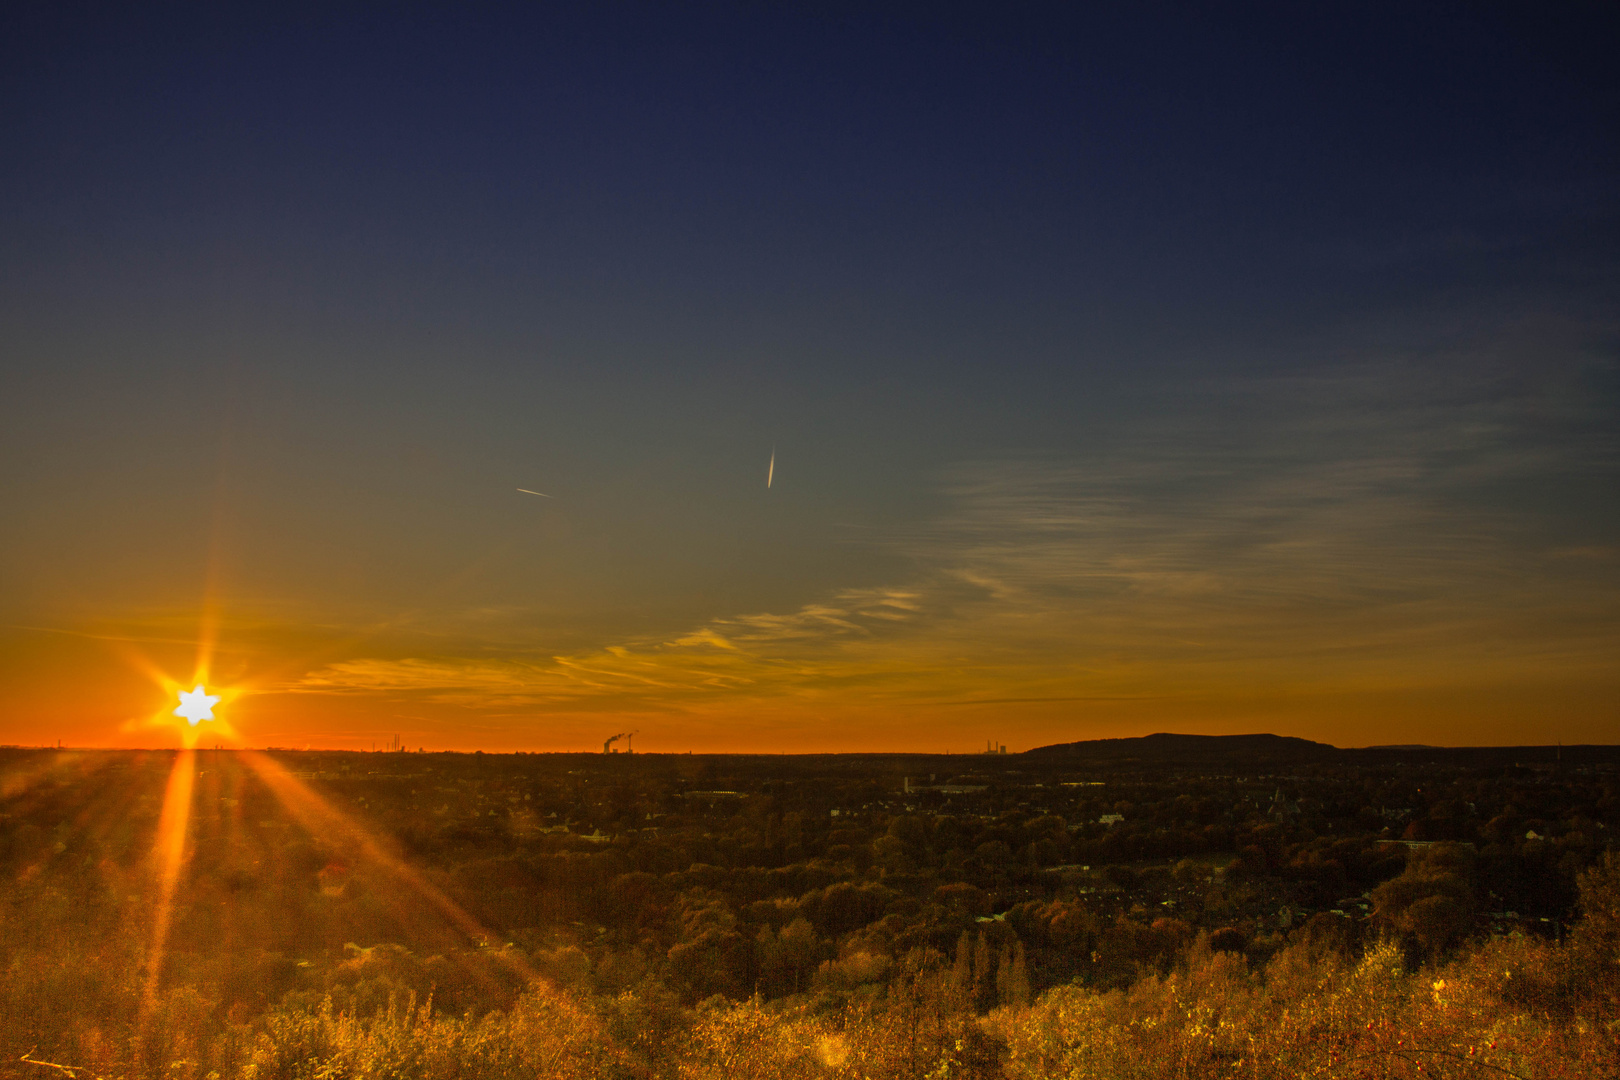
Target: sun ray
{"type": "Point", "coordinates": [143, 664]}
{"type": "Point", "coordinates": [17, 780]}
{"type": "Point", "coordinates": [214, 570]}
{"type": "Point", "coordinates": [169, 854]}
{"type": "Point", "coordinates": [321, 818]}
{"type": "Point", "coordinates": [270, 678]}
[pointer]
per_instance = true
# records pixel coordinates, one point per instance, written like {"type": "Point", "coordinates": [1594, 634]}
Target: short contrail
{"type": "Point", "coordinates": [542, 494]}
{"type": "Point", "coordinates": [770, 473]}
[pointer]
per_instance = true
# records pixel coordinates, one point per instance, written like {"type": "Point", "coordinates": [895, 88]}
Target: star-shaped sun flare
{"type": "Point", "coordinates": [196, 705]}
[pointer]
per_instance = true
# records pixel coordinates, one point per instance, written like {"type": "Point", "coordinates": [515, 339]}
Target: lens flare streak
{"type": "Point", "coordinates": [169, 856]}
{"type": "Point", "coordinates": [320, 818]}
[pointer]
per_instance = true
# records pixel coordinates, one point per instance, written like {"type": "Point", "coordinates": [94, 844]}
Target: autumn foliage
{"type": "Point", "coordinates": [295, 957]}
{"type": "Point", "coordinates": [1511, 1006]}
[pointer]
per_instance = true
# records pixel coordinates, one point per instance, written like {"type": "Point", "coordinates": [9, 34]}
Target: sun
{"type": "Point", "coordinates": [196, 705]}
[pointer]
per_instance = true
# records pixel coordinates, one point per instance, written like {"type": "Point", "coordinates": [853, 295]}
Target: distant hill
{"type": "Point", "coordinates": [1476, 757]}
{"type": "Point", "coordinates": [1169, 749]}
{"type": "Point", "coordinates": [1249, 751]}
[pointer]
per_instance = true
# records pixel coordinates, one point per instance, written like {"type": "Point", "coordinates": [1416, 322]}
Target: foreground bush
{"type": "Point", "coordinates": [545, 1034]}
{"type": "Point", "coordinates": [1495, 1012]}
{"type": "Point", "coordinates": [1506, 1007]}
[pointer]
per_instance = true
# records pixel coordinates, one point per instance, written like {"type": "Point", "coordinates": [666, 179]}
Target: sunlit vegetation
{"type": "Point", "coordinates": [537, 916]}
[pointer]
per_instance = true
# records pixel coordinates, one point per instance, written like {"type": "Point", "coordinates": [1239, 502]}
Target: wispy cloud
{"type": "Point", "coordinates": [775, 653]}
{"type": "Point", "coordinates": [1361, 527]}
{"type": "Point", "coordinates": [1325, 513]}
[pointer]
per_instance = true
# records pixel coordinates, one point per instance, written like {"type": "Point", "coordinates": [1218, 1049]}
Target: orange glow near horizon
{"type": "Point", "coordinates": [939, 664]}
{"type": "Point", "coordinates": [709, 699]}
{"type": "Point", "coordinates": [1032, 613]}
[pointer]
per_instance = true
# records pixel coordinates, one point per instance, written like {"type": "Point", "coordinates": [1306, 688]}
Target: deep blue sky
{"type": "Point", "coordinates": [1095, 338]}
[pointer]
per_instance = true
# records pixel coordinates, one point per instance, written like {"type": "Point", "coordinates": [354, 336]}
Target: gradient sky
{"type": "Point", "coordinates": [1250, 371]}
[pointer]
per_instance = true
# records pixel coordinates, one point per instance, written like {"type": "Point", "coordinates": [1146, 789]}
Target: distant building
{"type": "Point", "coordinates": [1419, 845]}
{"type": "Point", "coordinates": [1282, 808]}
{"type": "Point", "coordinates": [944, 789]}
{"type": "Point", "coordinates": [1109, 819]}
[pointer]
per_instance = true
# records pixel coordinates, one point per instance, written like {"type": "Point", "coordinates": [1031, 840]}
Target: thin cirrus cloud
{"type": "Point", "coordinates": [1344, 531]}
{"type": "Point", "coordinates": [1348, 518]}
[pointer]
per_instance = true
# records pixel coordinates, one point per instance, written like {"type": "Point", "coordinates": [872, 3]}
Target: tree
{"type": "Point", "coordinates": [1595, 941]}
{"type": "Point", "coordinates": [1430, 904]}
{"type": "Point", "coordinates": [1012, 976]}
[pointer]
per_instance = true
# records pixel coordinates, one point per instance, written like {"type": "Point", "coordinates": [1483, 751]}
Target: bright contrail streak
{"type": "Point", "coordinates": [542, 494]}
{"type": "Point", "coordinates": [770, 473]}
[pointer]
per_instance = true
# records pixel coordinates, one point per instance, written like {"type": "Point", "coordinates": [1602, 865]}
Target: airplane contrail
{"type": "Point", "coordinates": [542, 494]}
{"type": "Point", "coordinates": [770, 473]}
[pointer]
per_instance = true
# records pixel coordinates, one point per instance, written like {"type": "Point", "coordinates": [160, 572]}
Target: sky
{"type": "Point", "coordinates": [1202, 369]}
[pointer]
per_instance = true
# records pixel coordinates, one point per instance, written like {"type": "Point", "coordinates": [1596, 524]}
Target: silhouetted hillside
{"type": "Point", "coordinates": [1248, 751]}
{"type": "Point", "coordinates": [1481, 757]}
{"type": "Point", "coordinates": [1169, 749]}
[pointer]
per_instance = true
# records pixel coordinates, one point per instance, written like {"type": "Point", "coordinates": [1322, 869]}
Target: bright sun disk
{"type": "Point", "coordinates": [196, 705]}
